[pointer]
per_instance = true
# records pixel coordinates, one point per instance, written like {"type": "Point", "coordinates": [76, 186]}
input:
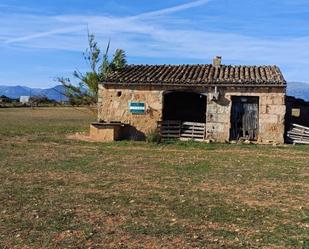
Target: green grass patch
{"type": "Point", "coordinates": [60, 193]}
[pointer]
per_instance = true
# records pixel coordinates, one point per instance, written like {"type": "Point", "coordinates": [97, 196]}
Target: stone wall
{"type": "Point", "coordinates": [113, 105]}
{"type": "Point", "coordinates": [271, 114]}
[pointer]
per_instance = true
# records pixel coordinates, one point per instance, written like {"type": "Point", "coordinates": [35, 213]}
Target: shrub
{"type": "Point", "coordinates": [153, 137]}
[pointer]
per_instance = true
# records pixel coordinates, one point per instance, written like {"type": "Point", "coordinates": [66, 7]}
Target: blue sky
{"type": "Point", "coordinates": [40, 40]}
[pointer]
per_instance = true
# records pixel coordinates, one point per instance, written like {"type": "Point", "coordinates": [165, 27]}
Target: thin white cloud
{"type": "Point", "coordinates": [171, 10]}
{"type": "Point", "coordinates": [160, 12]}
{"type": "Point", "coordinates": [48, 33]}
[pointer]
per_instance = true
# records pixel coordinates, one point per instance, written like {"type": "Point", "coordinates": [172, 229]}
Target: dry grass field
{"type": "Point", "coordinates": [60, 193]}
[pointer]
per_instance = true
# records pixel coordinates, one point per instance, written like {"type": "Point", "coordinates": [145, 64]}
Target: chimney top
{"type": "Point", "coordinates": [217, 61]}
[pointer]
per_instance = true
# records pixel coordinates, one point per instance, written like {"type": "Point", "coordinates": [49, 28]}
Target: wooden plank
{"type": "Point", "coordinates": [193, 127]}
{"type": "Point", "coordinates": [190, 125]}
{"type": "Point", "coordinates": [298, 134]}
{"type": "Point", "coordinates": [174, 125]}
{"type": "Point", "coordinates": [299, 131]}
{"type": "Point", "coordinates": [192, 132]}
{"type": "Point", "coordinates": [188, 139]}
{"type": "Point", "coordinates": [194, 124]}
{"type": "Point", "coordinates": [170, 127]}
{"type": "Point", "coordinates": [298, 138]}
{"type": "Point", "coordinates": [301, 126]}
{"type": "Point", "coordinates": [169, 132]}
{"type": "Point", "coordinates": [193, 136]}
{"type": "Point", "coordinates": [300, 142]}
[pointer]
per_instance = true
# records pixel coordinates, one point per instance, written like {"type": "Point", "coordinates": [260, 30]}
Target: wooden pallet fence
{"type": "Point", "coordinates": [299, 134]}
{"type": "Point", "coordinates": [171, 129]}
{"type": "Point", "coordinates": [193, 131]}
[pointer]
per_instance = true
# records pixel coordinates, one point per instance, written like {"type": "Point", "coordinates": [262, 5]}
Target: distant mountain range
{"type": "Point", "coordinates": [296, 89]}
{"type": "Point", "coordinates": [55, 93]}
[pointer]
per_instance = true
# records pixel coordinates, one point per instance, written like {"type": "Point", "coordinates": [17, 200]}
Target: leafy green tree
{"type": "Point", "coordinates": [86, 92]}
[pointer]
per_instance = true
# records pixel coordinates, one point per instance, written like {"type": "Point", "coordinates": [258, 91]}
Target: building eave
{"type": "Point", "coordinates": [206, 85]}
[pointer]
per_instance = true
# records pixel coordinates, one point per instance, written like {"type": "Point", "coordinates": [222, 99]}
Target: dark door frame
{"type": "Point", "coordinates": [238, 114]}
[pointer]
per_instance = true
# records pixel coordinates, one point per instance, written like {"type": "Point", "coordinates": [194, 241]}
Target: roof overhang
{"type": "Point", "coordinates": [205, 85]}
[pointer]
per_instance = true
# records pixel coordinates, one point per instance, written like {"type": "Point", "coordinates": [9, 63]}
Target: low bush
{"type": "Point", "coordinates": [153, 137]}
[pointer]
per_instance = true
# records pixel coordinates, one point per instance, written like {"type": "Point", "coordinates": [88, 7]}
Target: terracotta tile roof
{"type": "Point", "coordinates": [198, 75]}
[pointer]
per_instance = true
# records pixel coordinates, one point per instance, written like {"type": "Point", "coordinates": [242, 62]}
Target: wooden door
{"type": "Point", "coordinates": [244, 118]}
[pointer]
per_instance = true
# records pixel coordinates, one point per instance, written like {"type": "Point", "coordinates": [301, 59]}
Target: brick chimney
{"type": "Point", "coordinates": [217, 61]}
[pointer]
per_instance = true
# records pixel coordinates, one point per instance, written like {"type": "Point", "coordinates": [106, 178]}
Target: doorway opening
{"type": "Point", "coordinates": [244, 118]}
{"type": "Point", "coordinates": [184, 107]}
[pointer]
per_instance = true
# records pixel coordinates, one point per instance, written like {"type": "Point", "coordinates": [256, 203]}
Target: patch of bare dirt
{"type": "Point", "coordinates": [81, 137]}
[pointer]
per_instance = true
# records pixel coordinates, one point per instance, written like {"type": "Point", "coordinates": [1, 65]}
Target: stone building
{"type": "Point", "coordinates": [233, 102]}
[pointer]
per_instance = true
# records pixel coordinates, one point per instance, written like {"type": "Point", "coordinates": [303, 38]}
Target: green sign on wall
{"type": "Point", "coordinates": [137, 107]}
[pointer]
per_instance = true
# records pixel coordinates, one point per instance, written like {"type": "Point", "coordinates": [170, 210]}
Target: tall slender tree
{"type": "Point", "coordinates": [86, 92]}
